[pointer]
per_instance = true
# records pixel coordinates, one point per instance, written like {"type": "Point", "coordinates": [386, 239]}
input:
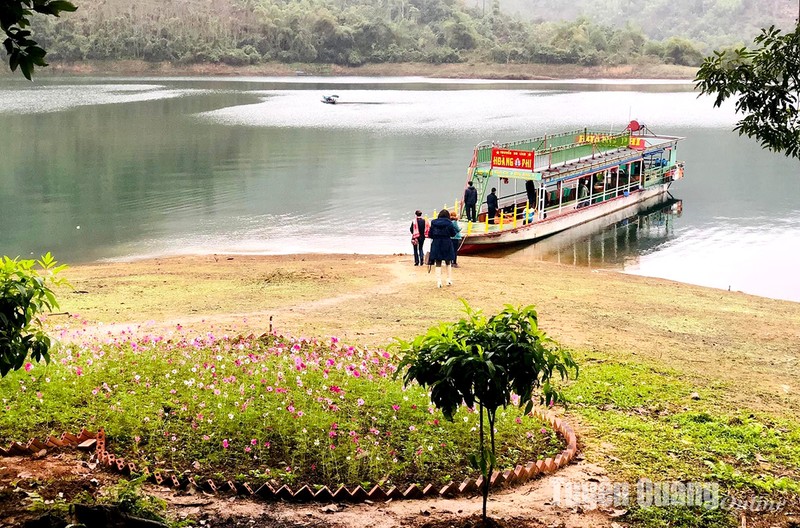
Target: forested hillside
{"type": "Point", "coordinates": [355, 32]}
{"type": "Point", "coordinates": [710, 22]}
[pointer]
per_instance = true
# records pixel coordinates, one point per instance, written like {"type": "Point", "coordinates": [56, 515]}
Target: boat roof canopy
{"type": "Point", "coordinates": [564, 155]}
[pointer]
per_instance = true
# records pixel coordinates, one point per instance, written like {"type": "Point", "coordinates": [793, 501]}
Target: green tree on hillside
{"type": "Point", "coordinates": [22, 50]}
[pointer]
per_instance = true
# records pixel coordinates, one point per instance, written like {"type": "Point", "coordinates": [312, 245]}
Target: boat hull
{"type": "Point", "coordinates": [485, 241]}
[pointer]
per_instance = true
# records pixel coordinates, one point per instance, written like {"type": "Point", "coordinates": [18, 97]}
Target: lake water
{"type": "Point", "coordinates": [114, 169]}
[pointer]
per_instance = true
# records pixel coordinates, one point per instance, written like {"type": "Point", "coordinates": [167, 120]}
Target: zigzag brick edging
{"type": "Point", "coordinates": [518, 475]}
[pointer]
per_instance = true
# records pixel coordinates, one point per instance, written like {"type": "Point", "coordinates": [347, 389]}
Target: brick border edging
{"type": "Point", "coordinates": [87, 440]}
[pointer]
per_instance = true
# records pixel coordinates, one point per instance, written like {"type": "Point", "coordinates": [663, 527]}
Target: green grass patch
{"type": "Point", "coordinates": [681, 516]}
{"type": "Point", "coordinates": [644, 420]}
{"type": "Point", "coordinates": [257, 409]}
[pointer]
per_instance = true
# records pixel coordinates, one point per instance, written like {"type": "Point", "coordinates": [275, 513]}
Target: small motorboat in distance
{"type": "Point", "coordinates": [329, 99]}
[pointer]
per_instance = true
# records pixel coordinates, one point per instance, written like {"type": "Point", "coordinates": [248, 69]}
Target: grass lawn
{"type": "Point", "coordinates": [677, 382]}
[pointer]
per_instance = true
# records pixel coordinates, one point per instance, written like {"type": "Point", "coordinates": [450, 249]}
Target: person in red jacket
{"type": "Point", "coordinates": [419, 230]}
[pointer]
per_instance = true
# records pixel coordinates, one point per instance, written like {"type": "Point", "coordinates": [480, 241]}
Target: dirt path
{"type": "Point", "coordinates": [397, 275]}
{"type": "Point", "coordinates": [533, 504]}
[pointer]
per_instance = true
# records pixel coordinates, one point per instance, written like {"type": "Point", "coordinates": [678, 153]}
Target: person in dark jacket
{"type": "Point", "coordinates": [491, 205]}
{"type": "Point", "coordinates": [530, 190]}
{"type": "Point", "coordinates": [418, 231]}
{"type": "Point", "coordinates": [470, 201]}
{"type": "Point", "coordinates": [441, 232]}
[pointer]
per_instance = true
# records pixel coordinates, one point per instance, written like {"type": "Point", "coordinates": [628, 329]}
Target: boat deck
{"type": "Point", "coordinates": [593, 163]}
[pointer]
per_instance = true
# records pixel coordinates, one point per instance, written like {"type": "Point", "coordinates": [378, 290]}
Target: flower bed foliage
{"type": "Point", "coordinates": [256, 408]}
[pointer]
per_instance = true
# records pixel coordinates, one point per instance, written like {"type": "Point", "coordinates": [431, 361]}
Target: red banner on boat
{"type": "Point", "coordinates": [512, 159]}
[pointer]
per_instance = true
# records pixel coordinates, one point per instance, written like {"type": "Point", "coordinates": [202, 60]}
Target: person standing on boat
{"type": "Point", "coordinates": [583, 194]}
{"type": "Point", "coordinates": [470, 201]}
{"type": "Point", "coordinates": [530, 190]}
{"type": "Point", "coordinates": [441, 233]}
{"type": "Point", "coordinates": [456, 239]}
{"type": "Point", "coordinates": [491, 205]}
{"type": "Point", "coordinates": [419, 230]}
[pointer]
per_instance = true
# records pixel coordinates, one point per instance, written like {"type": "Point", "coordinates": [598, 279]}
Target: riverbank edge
{"type": "Point", "coordinates": [501, 72]}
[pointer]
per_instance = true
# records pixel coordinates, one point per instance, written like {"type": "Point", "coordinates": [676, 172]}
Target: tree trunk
{"type": "Point", "coordinates": [491, 418]}
{"type": "Point", "coordinates": [486, 476]}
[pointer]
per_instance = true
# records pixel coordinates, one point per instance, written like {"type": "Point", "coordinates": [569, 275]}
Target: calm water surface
{"type": "Point", "coordinates": [114, 169]}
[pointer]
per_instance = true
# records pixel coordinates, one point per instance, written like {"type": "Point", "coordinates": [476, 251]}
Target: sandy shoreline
{"type": "Point", "coordinates": [708, 334]}
{"type": "Point", "coordinates": [446, 71]}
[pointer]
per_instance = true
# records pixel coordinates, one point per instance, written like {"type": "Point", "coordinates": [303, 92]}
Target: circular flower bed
{"type": "Point", "coordinates": [257, 409]}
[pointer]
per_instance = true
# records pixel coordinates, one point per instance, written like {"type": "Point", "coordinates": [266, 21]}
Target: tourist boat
{"type": "Point", "coordinates": [539, 182]}
{"type": "Point", "coordinates": [329, 99]}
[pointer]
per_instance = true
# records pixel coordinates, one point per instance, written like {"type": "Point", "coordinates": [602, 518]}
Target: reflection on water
{"type": "Point", "coordinates": [614, 241]}
{"type": "Point", "coordinates": [116, 169]}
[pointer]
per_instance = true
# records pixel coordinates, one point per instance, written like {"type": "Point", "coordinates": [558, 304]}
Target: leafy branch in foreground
{"type": "Point", "coordinates": [489, 362]}
{"type": "Point", "coordinates": [25, 292]}
{"type": "Point", "coordinates": [23, 51]}
{"type": "Point", "coordinates": [766, 82]}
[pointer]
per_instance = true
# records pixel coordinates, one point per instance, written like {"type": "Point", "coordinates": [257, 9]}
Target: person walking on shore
{"type": "Point", "coordinates": [441, 233]}
{"type": "Point", "coordinates": [456, 239]}
{"type": "Point", "coordinates": [470, 201]}
{"type": "Point", "coordinates": [419, 230]}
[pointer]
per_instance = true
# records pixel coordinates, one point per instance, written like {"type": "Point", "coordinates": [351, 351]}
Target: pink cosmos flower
{"type": "Point", "coordinates": [360, 402]}
{"type": "Point", "coordinates": [28, 367]}
{"type": "Point", "coordinates": [395, 407]}
{"type": "Point", "coordinates": [225, 443]}
{"type": "Point", "coordinates": [253, 442]}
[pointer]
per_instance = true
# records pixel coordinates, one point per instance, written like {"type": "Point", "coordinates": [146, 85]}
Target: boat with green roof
{"type": "Point", "coordinates": [551, 183]}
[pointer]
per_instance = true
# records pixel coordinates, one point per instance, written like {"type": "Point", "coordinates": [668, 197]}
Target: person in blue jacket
{"type": "Point", "coordinates": [441, 232]}
{"type": "Point", "coordinates": [456, 239]}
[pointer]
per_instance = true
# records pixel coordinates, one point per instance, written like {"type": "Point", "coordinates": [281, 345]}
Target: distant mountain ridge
{"type": "Point", "coordinates": [357, 32]}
